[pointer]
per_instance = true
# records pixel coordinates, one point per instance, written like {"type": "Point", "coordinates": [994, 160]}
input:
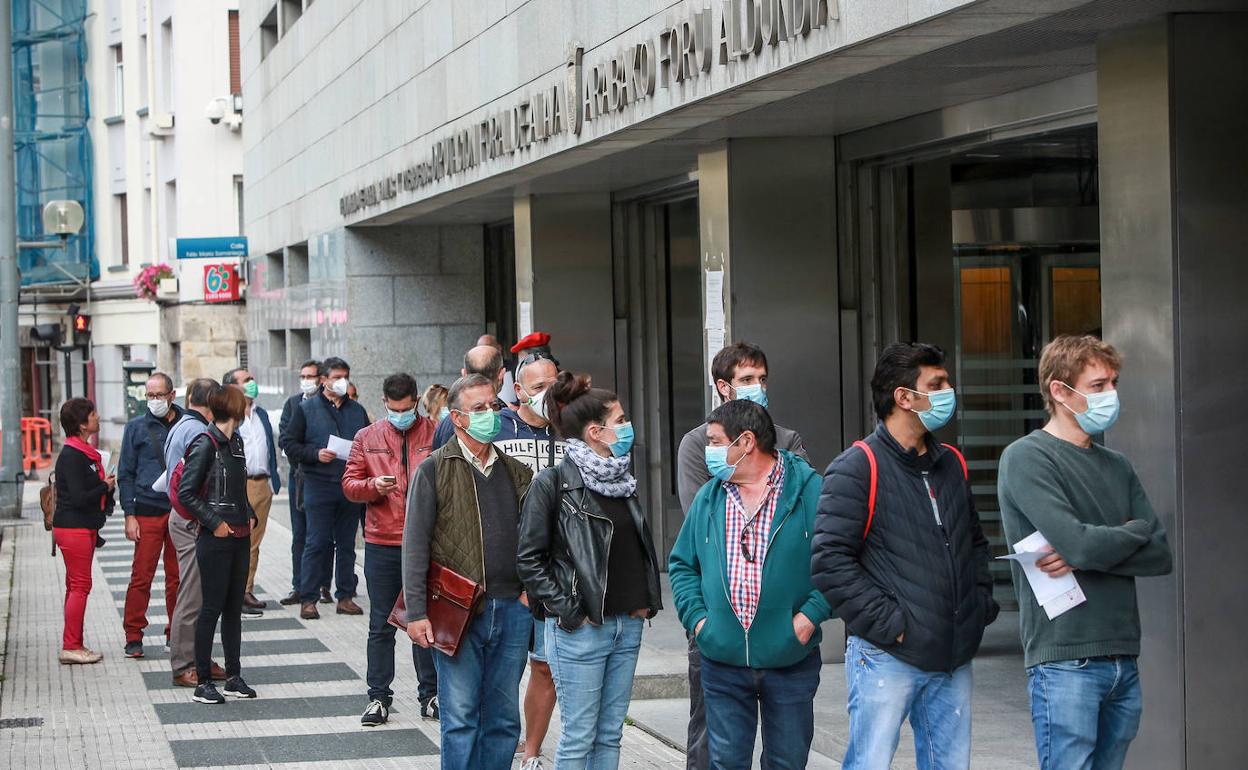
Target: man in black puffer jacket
{"type": "Point", "coordinates": [904, 563]}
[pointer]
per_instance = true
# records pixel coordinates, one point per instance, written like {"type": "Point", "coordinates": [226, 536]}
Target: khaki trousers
{"type": "Point", "coordinates": [260, 495]}
{"type": "Point", "coordinates": [184, 535]}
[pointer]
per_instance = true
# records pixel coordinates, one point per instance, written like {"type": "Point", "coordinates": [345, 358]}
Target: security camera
{"type": "Point", "coordinates": [215, 111]}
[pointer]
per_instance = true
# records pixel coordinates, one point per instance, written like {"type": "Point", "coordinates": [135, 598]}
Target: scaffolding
{"type": "Point", "coordinates": [53, 145]}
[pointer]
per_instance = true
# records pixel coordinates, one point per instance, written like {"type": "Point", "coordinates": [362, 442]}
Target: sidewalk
{"type": "Point", "coordinates": [123, 713]}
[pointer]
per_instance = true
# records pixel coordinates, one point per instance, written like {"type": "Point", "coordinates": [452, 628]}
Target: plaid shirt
{"type": "Point", "coordinates": [745, 578]}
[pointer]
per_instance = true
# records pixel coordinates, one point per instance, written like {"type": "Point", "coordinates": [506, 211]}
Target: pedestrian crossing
{"type": "Point", "coordinates": [310, 699]}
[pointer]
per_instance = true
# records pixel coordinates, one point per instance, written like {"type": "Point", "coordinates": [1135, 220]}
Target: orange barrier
{"type": "Point", "coordinates": [36, 443]}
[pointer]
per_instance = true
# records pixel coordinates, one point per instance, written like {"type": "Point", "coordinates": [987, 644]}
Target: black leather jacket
{"type": "Point", "coordinates": [220, 471]}
{"type": "Point", "coordinates": [564, 542]}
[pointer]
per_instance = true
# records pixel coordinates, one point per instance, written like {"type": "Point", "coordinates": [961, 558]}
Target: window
{"type": "Point", "coordinates": [268, 33]}
{"type": "Point", "coordinates": [240, 353]}
{"type": "Point", "coordinates": [297, 264]}
{"type": "Point", "coordinates": [119, 82]}
{"type": "Point", "coordinates": [291, 11]}
{"type": "Point", "coordinates": [299, 346]}
{"type": "Point", "coordinates": [236, 77]}
{"type": "Point", "coordinates": [123, 228]}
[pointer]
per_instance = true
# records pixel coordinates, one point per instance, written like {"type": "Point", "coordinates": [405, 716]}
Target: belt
{"type": "Point", "coordinates": [257, 477]}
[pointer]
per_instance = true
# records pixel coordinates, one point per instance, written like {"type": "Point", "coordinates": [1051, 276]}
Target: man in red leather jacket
{"type": "Point", "coordinates": [383, 457]}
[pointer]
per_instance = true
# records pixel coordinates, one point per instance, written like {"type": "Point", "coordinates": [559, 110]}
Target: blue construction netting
{"type": "Point", "coordinates": [53, 144]}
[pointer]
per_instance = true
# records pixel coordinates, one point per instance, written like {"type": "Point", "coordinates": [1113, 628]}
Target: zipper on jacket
{"type": "Point", "coordinates": [606, 574]}
{"type": "Point", "coordinates": [953, 570]}
{"type": "Point", "coordinates": [931, 497]}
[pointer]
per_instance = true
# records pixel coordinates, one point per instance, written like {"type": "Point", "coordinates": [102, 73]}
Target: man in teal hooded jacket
{"type": "Point", "coordinates": [740, 573]}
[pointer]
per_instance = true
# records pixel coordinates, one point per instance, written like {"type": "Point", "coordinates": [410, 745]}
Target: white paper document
{"type": "Point", "coordinates": [339, 446]}
{"type": "Point", "coordinates": [1055, 595]}
{"type": "Point", "coordinates": [526, 319]}
{"type": "Point", "coordinates": [106, 459]}
{"type": "Point", "coordinates": [161, 484]}
{"type": "Point", "coordinates": [714, 318]}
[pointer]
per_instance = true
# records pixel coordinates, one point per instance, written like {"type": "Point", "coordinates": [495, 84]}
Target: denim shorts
{"type": "Point", "coordinates": [538, 651]}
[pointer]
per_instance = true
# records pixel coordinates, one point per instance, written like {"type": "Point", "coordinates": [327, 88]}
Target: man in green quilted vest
{"type": "Point", "coordinates": [463, 511]}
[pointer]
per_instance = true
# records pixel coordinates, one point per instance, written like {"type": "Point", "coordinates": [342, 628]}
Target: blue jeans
{"type": "Point", "coordinates": [593, 669]}
{"type": "Point", "coordinates": [298, 538]}
{"type": "Point", "coordinates": [479, 688]}
{"type": "Point", "coordinates": [734, 696]}
{"type": "Point", "coordinates": [1086, 712]}
{"type": "Point", "coordinates": [332, 522]}
{"type": "Point", "coordinates": [883, 691]}
{"type": "Point", "coordinates": [383, 571]}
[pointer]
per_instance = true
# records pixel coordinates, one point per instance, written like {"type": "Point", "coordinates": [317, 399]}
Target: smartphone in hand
{"type": "Point", "coordinates": [388, 479]}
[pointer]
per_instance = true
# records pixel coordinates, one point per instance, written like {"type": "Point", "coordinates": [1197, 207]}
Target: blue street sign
{"type": "Point", "coordinates": [212, 248]}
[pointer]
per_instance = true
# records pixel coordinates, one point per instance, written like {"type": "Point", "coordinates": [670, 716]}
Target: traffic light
{"type": "Point", "coordinates": [48, 335]}
{"type": "Point", "coordinates": [82, 329]}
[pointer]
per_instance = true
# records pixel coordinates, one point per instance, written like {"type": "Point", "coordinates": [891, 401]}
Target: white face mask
{"type": "Point", "coordinates": [158, 407]}
{"type": "Point", "coordinates": [538, 404]}
{"type": "Point", "coordinates": [340, 386]}
{"type": "Point", "coordinates": [308, 387]}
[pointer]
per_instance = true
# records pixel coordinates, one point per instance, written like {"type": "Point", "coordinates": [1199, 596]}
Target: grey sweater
{"type": "Point", "coordinates": [691, 460]}
{"type": "Point", "coordinates": [1089, 504]}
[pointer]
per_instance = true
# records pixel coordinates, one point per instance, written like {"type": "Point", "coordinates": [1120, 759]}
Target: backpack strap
{"type": "Point", "coordinates": [875, 480]}
{"type": "Point", "coordinates": [966, 473]}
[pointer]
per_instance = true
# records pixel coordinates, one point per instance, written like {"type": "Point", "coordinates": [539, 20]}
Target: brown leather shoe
{"type": "Point", "coordinates": [348, 607]}
{"type": "Point", "coordinates": [187, 678]}
{"type": "Point", "coordinates": [291, 598]}
{"type": "Point", "coordinates": [325, 597]}
{"type": "Point", "coordinates": [218, 673]}
{"type": "Point", "coordinates": [309, 611]}
{"type": "Point", "coordinates": [250, 600]}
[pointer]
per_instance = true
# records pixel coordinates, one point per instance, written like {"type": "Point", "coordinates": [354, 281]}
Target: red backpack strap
{"type": "Point", "coordinates": [875, 480]}
{"type": "Point", "coordinates": [966, 474]}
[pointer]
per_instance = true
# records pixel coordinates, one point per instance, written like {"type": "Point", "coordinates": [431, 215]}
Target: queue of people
{"type": "Point", "coordinates": [505, 529]}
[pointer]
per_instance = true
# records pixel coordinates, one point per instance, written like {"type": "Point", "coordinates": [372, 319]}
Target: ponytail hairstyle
{"type": "Point", "coordinates": [573, 403]}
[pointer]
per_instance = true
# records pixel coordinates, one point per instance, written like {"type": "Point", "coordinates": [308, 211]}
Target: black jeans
{"type": "Point", "coordinates": [698, 753]}
{"type": "Point", "coordinates": [223, 563]}
{"type": "Point", "coordinates": [383, 573]}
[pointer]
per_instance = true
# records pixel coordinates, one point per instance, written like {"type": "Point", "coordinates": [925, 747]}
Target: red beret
{"type": "Point", "coordinates": [534, 340]}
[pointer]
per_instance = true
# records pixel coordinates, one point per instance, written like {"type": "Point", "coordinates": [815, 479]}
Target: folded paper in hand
{"type": "Point", "coordinates": [1055, 595]}
{"type": "Point", "coordinates": [339, 446]}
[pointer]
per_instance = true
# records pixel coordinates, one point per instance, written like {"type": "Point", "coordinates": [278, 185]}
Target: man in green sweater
{"type": "Point", "coordinates": [1087, 502]}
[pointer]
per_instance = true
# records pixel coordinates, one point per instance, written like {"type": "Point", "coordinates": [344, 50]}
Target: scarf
{"type": "Point", "coordinates": [94, 456]}
{"type": "Point", "coordinates": [608, 476]}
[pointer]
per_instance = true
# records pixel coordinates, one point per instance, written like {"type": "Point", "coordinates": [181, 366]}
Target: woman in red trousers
{"type": "Point", "coordinates": [84, 499]}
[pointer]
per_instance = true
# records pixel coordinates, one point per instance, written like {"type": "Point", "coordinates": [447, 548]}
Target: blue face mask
{"type": "Point", "coordinates": [401, 420]}
{"type": "Point", "coordinates": [1102, 411]}
{"type": "Point", "coordinates": [444, 413]}
{"type": "Point", "coordinates": [756, 393]}
{"type": "Point", "coordinates": [943, 404]}
{"type": "Point", "coordinates": [717, 461]}
{"type": "Point", "coordinates": [623, 439]}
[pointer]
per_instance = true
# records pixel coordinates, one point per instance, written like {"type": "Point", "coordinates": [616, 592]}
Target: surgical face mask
{"type": "Point", "coordinates": [251, 389]}
{"type": "Point", "coordinates": [158, 407]}
{"type": "Point", "coordinates": [483, 426]}
{"type": "Point", "coordinates": [943, 404]}
{"type": "Point", "coordinates": [623, 439]}
{"type": "Point", "coordinates": [340, 386]}
{"type": "Point", "coordinates": [1101, 414]}
{"type": "Point", "coordinates": [756, 393]}
{"type": "Point", "coordinates": [308, 387]}
{"type": "Point", "coordinates": [443, 413]}
{"type": "Point", "coordinates": [401, 420]}
{"type": "Point", "coordinates": [717, 461]}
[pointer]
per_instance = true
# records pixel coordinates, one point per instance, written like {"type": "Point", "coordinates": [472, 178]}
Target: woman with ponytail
{"type": "Point", "coordinates": [587, 560]}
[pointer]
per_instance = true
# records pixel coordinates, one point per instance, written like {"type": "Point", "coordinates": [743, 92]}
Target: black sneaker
{"type": "Point", "coordinates": [134, 649]}
{"type": "Point", "coordinates": [207, 693]}
{"type": "Point", "coordinates": [429, 709]}
{"type": "Point", "coordinates": [252, 612]}
{"type": "Point", "coordinates": [375, 715]}
{"type": "Point", "coordinates": [235, 687]}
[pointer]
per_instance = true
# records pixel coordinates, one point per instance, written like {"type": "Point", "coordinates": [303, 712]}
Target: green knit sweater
{"type": "Point", "coordinates": [1089, 504]}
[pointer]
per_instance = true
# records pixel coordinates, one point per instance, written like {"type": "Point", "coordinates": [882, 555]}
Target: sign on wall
{"type": "Point", "coordinates": [221, 283]}
{"type": "Point", "coordinates": [212, 248]}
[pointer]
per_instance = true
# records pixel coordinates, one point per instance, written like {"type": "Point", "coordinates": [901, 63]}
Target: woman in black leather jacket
{"type": "Point", "coordinates": [213, 487]}
{"type": "Point", "coordinates": [587, 561]}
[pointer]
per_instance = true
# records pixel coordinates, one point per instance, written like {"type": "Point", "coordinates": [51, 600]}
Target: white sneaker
{"type": "Point", "coordinates": [532, 763]}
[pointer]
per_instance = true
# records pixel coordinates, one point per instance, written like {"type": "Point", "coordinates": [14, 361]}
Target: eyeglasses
{"type": "Point", "coordinates": [153, 396]}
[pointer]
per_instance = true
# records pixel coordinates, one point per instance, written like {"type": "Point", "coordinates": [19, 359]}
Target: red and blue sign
{"type": "Point", "coordinates": [221, 283]}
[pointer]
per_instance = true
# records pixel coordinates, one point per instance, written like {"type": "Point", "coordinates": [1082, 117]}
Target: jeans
{"type": "Point", "coordinates": [153, 542]}
{"type": "Point", "coordinates": [883, 691]}
{"type": "Point", "coordinates": [734, 697]}
{"type": "Point", "coordinates": [593, 669]}
{"type": "Point", "coordinates": [223, 574]}
{"type": "Point", "coordinates": [78, 550]}
{"type": "Point", "coordinates": [698, 753]}
{"type": "Point", "coordinates": [383, 572]}
{"type": "Point", "coordinates": [1086, 712]}
{"type": "Point", "coordinates": [479, 688]}
{"type": "Point", "coordinates": [332, 523]}
{"type": "Point", "coordinates": [298, 538]}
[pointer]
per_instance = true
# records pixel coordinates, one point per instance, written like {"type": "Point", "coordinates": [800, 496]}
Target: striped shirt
{"type": "Point", "coordinates": [749, 532]}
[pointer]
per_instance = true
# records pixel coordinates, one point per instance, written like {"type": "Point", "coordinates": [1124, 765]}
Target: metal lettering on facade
{"type": "Point", "coordinates": [683, 49]}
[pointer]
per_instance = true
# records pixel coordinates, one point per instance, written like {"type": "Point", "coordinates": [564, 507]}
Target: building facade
{"type": "Point", "coordinates": [647, 180]}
